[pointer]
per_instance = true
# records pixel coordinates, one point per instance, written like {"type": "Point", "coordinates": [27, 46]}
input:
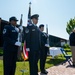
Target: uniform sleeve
{"type": "Point", "coordinates": [28, 33]}
{"type": "Point", "coordinates": [43, 40]}
{"type": "Point", "coordinates": [6, 36]}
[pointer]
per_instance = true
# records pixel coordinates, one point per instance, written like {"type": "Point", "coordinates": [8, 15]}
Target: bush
{"type": "Point", "coordinates": [59, 56]}
{"type": "Point", "coordinates": [66, 46]}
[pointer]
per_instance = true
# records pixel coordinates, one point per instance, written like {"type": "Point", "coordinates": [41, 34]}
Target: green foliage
{"type": "Point", "coordinates": [1, 67]}
{"type": "Point", "coordinates": [60, 56]}
{"type": "Point", "coordinates": [67, 49]}
{"type": "Point", "coordinates": [70, 25]}
{"type": "Point", "coordinates": [66, 46]}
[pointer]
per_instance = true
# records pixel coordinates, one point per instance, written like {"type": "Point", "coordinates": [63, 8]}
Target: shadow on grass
{"type": "Point", "coordinates": [55, 61]}
{"type": "Point", "coordinates": [1, 52]}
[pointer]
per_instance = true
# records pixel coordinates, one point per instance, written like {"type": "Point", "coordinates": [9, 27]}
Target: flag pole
{"type": "Point", "coordinates": [30, 4]}
{"type": "Point", "coordinates": [21, 19]}
{"type": "Point", "coordinates": [25, 53]}
{"type": "Point", "coordinates": [47, 38]}
{"type": "Point", "coordinates": [47, 34]}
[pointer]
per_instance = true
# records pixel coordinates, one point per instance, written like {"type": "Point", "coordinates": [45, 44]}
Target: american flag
{"type": "Point", "coordinates": [29, 15]}
{"type": "Point", "coordinates": [25, 52]}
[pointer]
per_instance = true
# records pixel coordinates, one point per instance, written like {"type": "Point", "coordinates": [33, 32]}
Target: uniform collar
{"type": "Point", "coordinates": [13, 26]}
{"type": "Point", "coordinates": [34, 25]}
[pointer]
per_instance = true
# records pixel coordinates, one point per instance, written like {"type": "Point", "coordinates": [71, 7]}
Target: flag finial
{"type": "Point", "coordinates": [21, 15]}
{"type": "Point", "coordinates": [30, 3]}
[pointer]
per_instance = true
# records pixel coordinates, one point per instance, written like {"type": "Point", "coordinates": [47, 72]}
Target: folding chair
{"type": "Point", "coordinates": [68, 57]}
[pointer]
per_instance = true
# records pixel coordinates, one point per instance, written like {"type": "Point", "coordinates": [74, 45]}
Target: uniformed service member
{"type": "Point", "coordinates": [11, 44]}
{"type": "Point", "coordinates": [72, 45]}
{"type": "Point", "coordinates": [44, 49]}
{"type": "Point", "coordinates": [33, 44]}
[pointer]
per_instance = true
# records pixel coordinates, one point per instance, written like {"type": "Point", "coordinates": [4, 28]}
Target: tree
{"type": "Point", "coordinates": [70, 25]}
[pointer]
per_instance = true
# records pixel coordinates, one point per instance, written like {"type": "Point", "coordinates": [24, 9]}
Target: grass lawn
{"type": "Point", "coordinates": [25, 65]}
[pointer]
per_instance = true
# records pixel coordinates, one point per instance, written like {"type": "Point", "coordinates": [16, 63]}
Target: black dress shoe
{"type": "Point", "coordinates": [44, 72]}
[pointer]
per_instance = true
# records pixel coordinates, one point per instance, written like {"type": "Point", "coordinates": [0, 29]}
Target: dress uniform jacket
{"type": "Point", "coordinates": [44, 37]}
{"type": "Point", "coordinates": [33, 38]}
{"type": "Point", "coordinates": [10, 36]}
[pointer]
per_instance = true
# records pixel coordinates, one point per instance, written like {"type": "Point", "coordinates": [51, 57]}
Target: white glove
{"type": "Point", "coordinates": [18, 43]}
{"type": "Point", "coordinates": [21, 28]}
{"type": "Point", "coordinates": [27, 49]}
{"type": "Point", "coordinates": [17, 29]}
{"type": "Point", "coordinates": [46, 45]}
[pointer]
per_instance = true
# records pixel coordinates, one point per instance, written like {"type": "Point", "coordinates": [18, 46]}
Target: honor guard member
{"type": "Point", "coordinates": [33, 44]}
{"type": "Point", "coordinates": [11, 44]}
{"type": "Point", "coordinates": [44, 49]}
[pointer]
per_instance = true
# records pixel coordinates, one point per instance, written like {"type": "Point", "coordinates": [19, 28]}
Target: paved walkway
{"type": "Point", "coordinates": [61, 70]}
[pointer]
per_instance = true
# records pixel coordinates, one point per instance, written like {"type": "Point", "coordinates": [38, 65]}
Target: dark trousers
{"type": "Point", "coordinates": [43, 56]}
{"type": "Point", "coordinates": [9, 62]}
{"type": "Point", "coordinates": [33, 62]}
